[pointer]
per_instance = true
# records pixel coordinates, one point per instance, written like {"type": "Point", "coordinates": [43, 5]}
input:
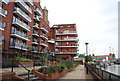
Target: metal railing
{"type": "Point", "coordinates": [25, 26]}
{"type": "Point", "coordinates": [22, 66]}
{"type": "Point", "coordinates": [3, 12]}
{"type": "Point", "coordinates": [36, 9]}
{"type": "Point", "coordinates": [104, 75]}
{"type": "Point", "coordinates": [24, 5]}
{"type": "Point", "coordinates": [23, 14]}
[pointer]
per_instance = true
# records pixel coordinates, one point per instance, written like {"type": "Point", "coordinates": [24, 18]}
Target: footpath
{"type": "Point", "coordinates": [78, 74]}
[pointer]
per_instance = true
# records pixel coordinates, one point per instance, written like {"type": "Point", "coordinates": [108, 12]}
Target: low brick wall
{"type": "Point", "coordinates": [7, 75]}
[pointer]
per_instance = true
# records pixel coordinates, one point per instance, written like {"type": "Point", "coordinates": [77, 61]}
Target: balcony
{"type": "Point", "coordinates": [21, 24]}
{"type": "Point", "coordinates": [24, 6]}
{"type": "Point", "coordinates": [44, 36]}
{"type": "Point", "coordinates": [51, 41]}
{"type": "Point", "coordinates": [18, 46]}
{"type": "Point", "coordinates": [20, 35]}
{"type": "Point", "coordinates": [3, 12]}
{"type": "Point", "coordinates": [44, 44]}
{"type": "Point", "coordinates": [35, 34]}
{"type": "Point", "coordinates": [1, 28]}
{"type": "Point", "coordinates": [38, 11]}
{"type": "Point", "coordinates": [67, 33]}
{"type": "Point", "coordinates": [68, 39]}
{"type": "Point", "coordinates": [29, 2]}
{"type": "Point", "coordinates": [35, 50]}
{"type": "Point", "coordinates": [5, 1]}
{"type": "Point", "coordinates": [66, 52]}
{"type": "Point", "coordinates": [24, 16]}
{"type": "Point", "coordinates": [36, 26]}
{"type": "Point", "coordinates": [35, 42]}
{"type": "Point", "coordinates": [44, 29]}
{"type": "Point", "coordinates": [66, 46]}
{"type": "Point", "coordinates": [37, 18]}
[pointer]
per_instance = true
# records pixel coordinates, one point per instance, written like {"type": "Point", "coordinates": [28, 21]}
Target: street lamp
{"type": "Point", "coordinates": [86, 60]}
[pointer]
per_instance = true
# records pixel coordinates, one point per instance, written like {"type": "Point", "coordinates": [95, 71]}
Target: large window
{"type": "Point", "coordinates": [4, 24]}
{"type": "Point", "coordinates": [12, 41]}
{"type": "Point", "coordinates": [3, 37]}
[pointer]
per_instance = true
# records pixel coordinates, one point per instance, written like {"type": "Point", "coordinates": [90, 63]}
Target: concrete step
{"type": "Point", "coordinates": [32, 77]}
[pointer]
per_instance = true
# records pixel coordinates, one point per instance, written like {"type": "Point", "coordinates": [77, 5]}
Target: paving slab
{"type": "Point", "coordinates": [79, 73]}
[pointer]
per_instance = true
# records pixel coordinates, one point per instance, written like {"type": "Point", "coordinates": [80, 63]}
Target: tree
{"type": "Point", "coordinates": [81, 55]}
{"type": "Point", "coordinates": [89, 58]}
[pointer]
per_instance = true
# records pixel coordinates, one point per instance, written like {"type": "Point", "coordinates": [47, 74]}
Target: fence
{"type": "Point", "coordinates": [104, 75]}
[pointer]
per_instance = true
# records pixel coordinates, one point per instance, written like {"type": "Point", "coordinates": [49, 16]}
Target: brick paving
{"type": "Point", "coordinates": [78, 73]}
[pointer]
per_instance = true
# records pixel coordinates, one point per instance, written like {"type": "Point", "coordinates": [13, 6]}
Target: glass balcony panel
{"type": "Point", "coordinates": [3, 12]}
{"type": "Point", "coordinates": [24, 6]}
{"type": "Point", "coordinates": [20, 35]}
{"type": "Point", "coordinates": [22, 14]}
{"type": "Point", "coordinates": [21, 24]}
{"type": "Point", "coordinates": [38, 11]}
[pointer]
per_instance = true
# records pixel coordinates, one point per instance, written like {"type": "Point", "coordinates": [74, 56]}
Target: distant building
{"type": "Point", "coordinates": [100, 58]}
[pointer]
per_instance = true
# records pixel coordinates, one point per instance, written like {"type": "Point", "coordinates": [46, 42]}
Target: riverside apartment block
{"type": "Point", "coordinates": [25, 32]}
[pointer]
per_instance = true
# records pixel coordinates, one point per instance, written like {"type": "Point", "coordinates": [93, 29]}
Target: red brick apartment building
{"type": "Point", "coordinates": [25, 31]}
{"type": "Point", "coordinates": [66, 40]}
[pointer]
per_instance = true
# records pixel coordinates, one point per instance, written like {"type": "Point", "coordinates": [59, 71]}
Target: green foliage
{"type": "Point", "coordinates": [20, 59]}
{"type": "Point", "coordinates": [79, 61]}
{"type": "Point", "coordinates": [81, 55]}
{"type": "Point", "coordinates": [67, 63]}
{"type": "Point", "coordinates": [44, 60]}
{"type": "Point", "coordinates": [56, 68]}
{"type": "Point", "coordinates": [89, 58]}
{"type": "Point", "coordinates": [50, 69]}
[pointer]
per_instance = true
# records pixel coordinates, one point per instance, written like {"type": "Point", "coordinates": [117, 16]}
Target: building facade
{"type": "Point", "coordinates": [25, 32]}
{"type": "Point", "coordinates": [66, 40]}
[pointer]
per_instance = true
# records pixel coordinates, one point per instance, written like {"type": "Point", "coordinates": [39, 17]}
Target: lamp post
{"type": "Point", "coordinates": [86, 60]}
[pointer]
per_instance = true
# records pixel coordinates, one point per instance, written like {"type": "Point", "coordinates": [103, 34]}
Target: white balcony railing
{"type": "Point", "coordinates": [36, 25]}
{"type": "Point", "coordinates": [38, 11]}
{"type": "Point", "coordinates": [29, 2]}
{"type": "Point", "coordinates": [44, 44]}
{"type": "Point", "coordinates": [6, 1]}
{"type": "Point", "coordinates": [51, 41]}
{"type": "Point", "coordinates": [68, 32]}
{"type": "Point", "coordinates": [20, 35]}
{"type": "Point", "coordinates": [24, 6]}
{"type": "Point", "coordinates": [44, 29]}
{"type": "Point", "coordinates": [37, 18]}
{"type": "Point", "coordinates": [66, 52]}
{"type": "Point", "coordinates": [22, 14]}
{"type": "Point", "coordinates": [66, 46]}
{"type": "Point", "coordinates": [3, 12]}
{"type": "Point", "coordinates": [1, 28]}
{"type": "Point", "coordinates": [18, 46]}
{"type": "Point", "coordinates": [35, 33]}
{"type": "Point", "coordinates": [68, 39]}
{"type": "Point", "coordinates": [20, 24]}
{"type": "Point", "coordinates": [44, 36]}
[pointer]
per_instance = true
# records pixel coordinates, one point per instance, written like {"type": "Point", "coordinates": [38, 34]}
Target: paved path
{"type": "Point", "coordinates": [79, 73]}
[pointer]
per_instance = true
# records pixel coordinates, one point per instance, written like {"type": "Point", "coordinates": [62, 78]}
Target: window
{"type": "Point", "coordinates": [3, 37]}
{"type": "Point", "coordinates": [12, 41]}
{"type": "Point", "coordinates": [4, 24]}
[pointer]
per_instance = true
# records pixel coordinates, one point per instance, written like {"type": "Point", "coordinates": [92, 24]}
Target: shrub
{"type": "Point", "coordinates": [67, 64]}
{"type": "Point", "coordinates": [43, 70]}
{"type": "Point", "coordinates": [20, 59]}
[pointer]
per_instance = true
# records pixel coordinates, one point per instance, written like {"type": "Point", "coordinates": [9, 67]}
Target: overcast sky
{"type": "Point", "coordinates": [96, 20]}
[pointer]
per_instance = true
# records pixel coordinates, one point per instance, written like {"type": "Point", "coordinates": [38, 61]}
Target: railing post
{"type": "Point", "coordinates": [109, 77]}
{"type": "Point", "coordinates": [28, 74]}
{"type": "Point", "coordinates": [12, 65]}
